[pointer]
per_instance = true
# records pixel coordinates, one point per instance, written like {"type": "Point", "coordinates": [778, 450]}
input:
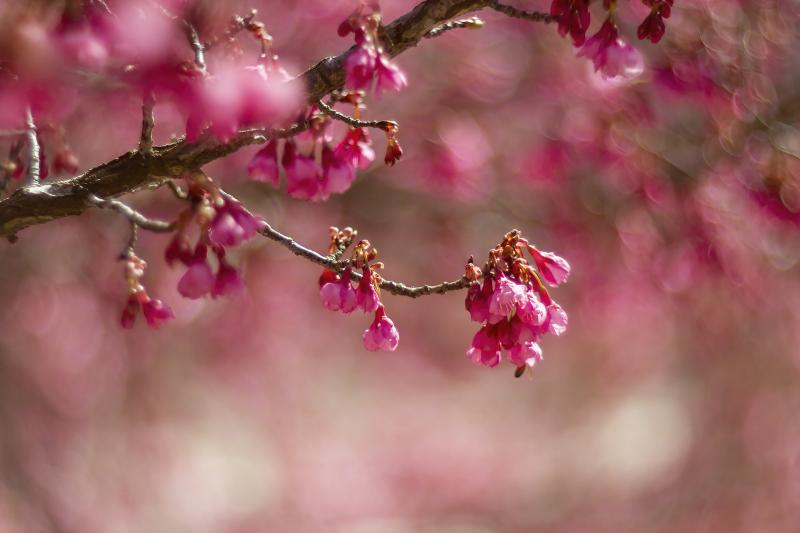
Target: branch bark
{"type": "Point", "coordinates": [132, 171]}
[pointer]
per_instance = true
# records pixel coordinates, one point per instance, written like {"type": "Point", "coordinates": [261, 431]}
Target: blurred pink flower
{"type": "Point", "coordinates": [382, 333]}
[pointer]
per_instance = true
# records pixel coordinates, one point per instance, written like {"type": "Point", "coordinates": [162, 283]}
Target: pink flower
{"type": "Point", "coordinates": [393, 152]}
{"type": "Point", "coordinates": [526, 353]}
{"type": "Point", "coordinates": [381, 334]}
{"type": "Point", "coordinates": [232, 224]}
{"type": "Point", "coordinates": [303, 176]}
{"type": "Point", "coordinates": [338, 174]}
{"type": "Point", "coordinates": [359, 67]}
{"type": "Point", "coordinates": [506, 297]}
{"type": "Point", "coordinates": [366, 295]}
{"type": "Point", "coordinates": [355, 148]}
{"type": "Point", "coordinates": [390, 77]}
{"type": "Point", "coordinates": [178, 249]}
{"type": "Point", "coordinates": [228, 280]}
{"type": "Point", "coordinates": [339, 295]}
{"type": "Point", "coordinates": [652, 28]}
{"type": "Point", "coordinates": [156, 313]}
{"type": "Point", "coordinates": [477, 301]}
{"type": "Point", "coordinates": [557, 319]}
{"type": "Point", "coordinates": [532, 311]}
{"type": "Point", "coordinates": [485, 347]}
{"type": "Point", "coordinates": [264, 165]}
{"type": "Point", "coordinates": [554, 269]}
{"type": "Point", "coordinates": [130, 311]}
{"type": "Point", "coordinates": [573, 18]}
{"type": "Point", "coordinates": [612, 56]}
{"type": "Point", "coordinates": [198, 280]}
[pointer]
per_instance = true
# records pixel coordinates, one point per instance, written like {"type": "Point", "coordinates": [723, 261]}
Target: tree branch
{"type": "Point", "coordinates": [385, 125]}
{"type": "Point", "coordinates": [132, 171]}
{"type": "Point", "coordinates": [331, 263]}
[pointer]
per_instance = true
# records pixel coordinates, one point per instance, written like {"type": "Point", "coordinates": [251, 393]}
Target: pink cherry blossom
{"type": "Point", "coordinates": [506, 297]}
{"type": "Point", "coordinates": [554, 269]}
{"type": "Point", "coordinates": [232, 224]}
{"type": "Point", "coordinates": [303, 174]}
{"type": "Point", "coordinates": [573, 18]}
{"type": "Point", "coordinates": [264, 165]}
{"type": "Point", "coordinates": [366, 295]}
{"type": "Point", "coordinates": [389, 76]}
{"type": "Point", "coordinates": [338, 174]}
{"type": "Point", "coordinates": [382, 333]}
{"type": "Point", "coordinates": [557, 323]}
{"type": "Point", "coordinates": [526, 353]}
{"type": "Point", "coordinates": [359, 67]}
{"type": "Point", "coordinates": [612, 56]}
{"type": "Point", "coordinates": [485, 347]}
{"type": "Point", "coordinates": [228, 280]}
{"type": "Point", "coordinates": [156, 313]}
{"type": "Point", "coordinates": [339, 295]}
{"type": "Point", "coordinates": [355, 148]}
{"type": "Point", "coordinates": [477, 300]}
{"type": "Point", "coordinates": [198, 280]}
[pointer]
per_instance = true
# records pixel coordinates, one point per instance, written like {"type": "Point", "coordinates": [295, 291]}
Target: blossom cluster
{"type": "Point", "coordinates": [222, 223]}
{"type": "Point", "coordinates": [322, 169]}
{"type": "Point", "coordinates": [512, 304]}
{"type": "Point", "coordinates": [368, 61]}
{"type": "Point", "coordinates": [611, 55]}
{"type": "Point", "coordinates": [338, 294]}
{"type": "Point", "coordinates": [155, 311]}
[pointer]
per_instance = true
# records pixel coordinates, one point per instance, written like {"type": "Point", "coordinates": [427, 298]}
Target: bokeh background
{"type": "Point", "coordinates": [671, 403]}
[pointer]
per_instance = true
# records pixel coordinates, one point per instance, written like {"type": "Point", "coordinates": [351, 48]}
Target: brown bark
{"type": "Point", "coordinates": [130, 172]}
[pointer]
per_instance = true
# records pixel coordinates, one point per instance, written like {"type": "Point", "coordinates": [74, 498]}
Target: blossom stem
{"type": "Point", "coordinates": [150, 224]}
{"type": "Point", "coordinates": [385, 125]}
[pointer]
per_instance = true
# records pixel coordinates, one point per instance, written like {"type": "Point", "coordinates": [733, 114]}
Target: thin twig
{"type": "Point", "coordinates": [191, 34]}
{"type": "Point", "coordinates": [34, 150]}
{"type": "Point", "coordinates": [129, 249]}
{"type": "Point", "coordinates": [472, 23]}
{"type": "Point", "coordinates": [197, 46]}
{"type": "Point", "coordinates": [146, 139]}
{"type": "Point", "coordinates": [238, 23]}
{"type": "Point", "coordinates": [179, 193]}
{"type": "Point", "coordinates": [150, 224]}
{"type": "Point", "coordinates": [330, 262]}
{"type": "Point", "coordinates": [385, 125]}
{"type": "Point", "coordinates": [513, 12]}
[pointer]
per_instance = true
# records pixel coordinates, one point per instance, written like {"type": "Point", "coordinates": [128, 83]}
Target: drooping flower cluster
{"type": "Point", "coordinates": [612, 56]}
{"type": "Point", "coordinates": [512, 304]}
{"type": "Point", "coordinates": [323, 169]}
{"type": "Point", "coordinates": [653, 27]}
{"type": "Point", "coordinates": [338, 294]}
{"type": "Point", "coordinates": [155, 311]}
{"type": "Point", "coordinates": [368, 61]}
{"type": "Point", "coordinates": [223, 223]}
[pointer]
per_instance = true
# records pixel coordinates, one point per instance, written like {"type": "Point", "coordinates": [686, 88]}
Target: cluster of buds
{"type": "Point", "coordinates": [223, 223]}
{"type": "Point", "coordinates": [653, 25]}
{"type": "Point", "coordinates": [512, 304]}
{"type": "Point", "coordinates": [369, 61]}
{"type": "Point", "coordinates": [155, 311]}
{"type": "Point", "coordinates": [338, 293]}
{"type": "Point", "coordinates": [323, 169]}
{"type": "Point", "coordinates": [612, 56]}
